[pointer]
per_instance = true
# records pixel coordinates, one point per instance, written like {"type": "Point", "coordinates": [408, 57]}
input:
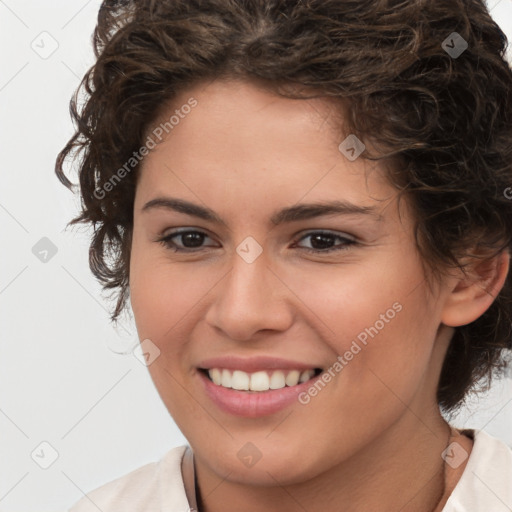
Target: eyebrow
{"type": "Point", "coordinates": [294, 213]}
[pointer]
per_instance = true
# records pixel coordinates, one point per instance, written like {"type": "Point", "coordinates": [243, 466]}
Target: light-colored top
{"type": "Point", "coordinates": [168, 484]}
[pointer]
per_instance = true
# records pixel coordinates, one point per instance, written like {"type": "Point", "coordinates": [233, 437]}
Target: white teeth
{"type": "Point", "coordinates": [277, 381]}
{"type": "Point", "coordinates": [240, 380]}
{"type": "Point", "coordinates": [225, 379]}
{"type": "Point", "coordinates": [306, 375]}
{"type": "Point", "coordinates": [292, 379]}
{"type": "Point", "coordinates": [258, 381]}
{"type": "Point", "coordinates": [216, 376]}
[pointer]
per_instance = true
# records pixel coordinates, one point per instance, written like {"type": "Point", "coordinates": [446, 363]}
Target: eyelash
{"type": "Point", "coordinates": [167, 242]}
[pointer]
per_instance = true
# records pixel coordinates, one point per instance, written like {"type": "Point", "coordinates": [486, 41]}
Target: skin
{"type": "Point", "coordinates": [372, 438]}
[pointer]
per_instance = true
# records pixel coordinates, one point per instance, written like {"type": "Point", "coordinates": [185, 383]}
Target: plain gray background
{"type": "Point", "coordinates": [67, 377]}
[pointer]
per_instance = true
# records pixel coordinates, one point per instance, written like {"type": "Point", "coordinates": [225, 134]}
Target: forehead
{"type": "Point", "coordinates": [224, 95]}
{"type": "Point", "coordinates": [242, 142]}
{"type": "Point", "coordinates": [239, 113]}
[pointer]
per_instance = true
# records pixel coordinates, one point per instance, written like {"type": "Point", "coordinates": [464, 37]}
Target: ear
{"type": "Point", "coordinates": [472, 295]}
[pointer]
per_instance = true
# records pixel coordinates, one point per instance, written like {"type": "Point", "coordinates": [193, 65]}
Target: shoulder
{"type": "Point", "coordinates": [486, 483]}
{"type": "Point", "coordinates": [155, 486]}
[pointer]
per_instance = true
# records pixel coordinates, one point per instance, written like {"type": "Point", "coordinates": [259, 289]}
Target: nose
{"type": "Point", "coordinates": [249, 299]}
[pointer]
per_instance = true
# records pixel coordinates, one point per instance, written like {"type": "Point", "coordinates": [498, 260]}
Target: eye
{"type": "Point", "coordinates": [324, 242]}
{"type": "Point", "coordinates": [190, 240]}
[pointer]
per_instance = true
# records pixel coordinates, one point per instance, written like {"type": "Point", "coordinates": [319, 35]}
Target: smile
{"type": "Point", "coordinates": [264, 380]}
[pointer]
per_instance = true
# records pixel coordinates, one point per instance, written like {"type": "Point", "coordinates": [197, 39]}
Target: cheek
{"type": "Point", "coordinates": [377, 317]}
{"type": "Point", "coordinates": [163, 297]}
{"type": "Point", "coordinates": [162, 292]}
{"type": "Point", "coordinates": [345, 300]}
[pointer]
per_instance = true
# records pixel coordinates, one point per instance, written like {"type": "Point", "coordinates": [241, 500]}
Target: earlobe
{"type": "Point", "coordinates": [473, 294]}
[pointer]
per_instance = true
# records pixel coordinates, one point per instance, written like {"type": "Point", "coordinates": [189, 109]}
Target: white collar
{"type": "Point", "coordinates": [486, 483]}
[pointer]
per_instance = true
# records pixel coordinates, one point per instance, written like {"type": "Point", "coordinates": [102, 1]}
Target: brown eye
{"type": "Point", "coordinates": [184, 241]}
{"type": "Point", "coordinates": [325, 241]}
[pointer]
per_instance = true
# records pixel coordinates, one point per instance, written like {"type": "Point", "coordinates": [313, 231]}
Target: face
{"type": "Point", "coordinates": [261, 256]}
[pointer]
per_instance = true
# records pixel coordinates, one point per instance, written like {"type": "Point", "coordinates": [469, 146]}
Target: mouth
{"type": "Point", "coordinates": [260, 381]}
{"type": "Point", "coordinates": [255, 386]}
{"type": "Point", "coordinates": [256, 394]}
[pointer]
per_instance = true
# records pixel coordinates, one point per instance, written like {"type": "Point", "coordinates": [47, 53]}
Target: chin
{"type": "Point", "coordinates": [239, 463]}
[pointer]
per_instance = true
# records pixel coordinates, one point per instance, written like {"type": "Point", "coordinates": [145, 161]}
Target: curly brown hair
{"type": "Point", "coordinates": [443, 119]}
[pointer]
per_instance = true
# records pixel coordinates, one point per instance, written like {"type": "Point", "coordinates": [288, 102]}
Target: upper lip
{"type": "Point", "coordinates": [254, 364]}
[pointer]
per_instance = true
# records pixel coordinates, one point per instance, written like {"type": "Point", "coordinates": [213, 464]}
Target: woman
{"type": "Point", "coordinates": [305, 203]}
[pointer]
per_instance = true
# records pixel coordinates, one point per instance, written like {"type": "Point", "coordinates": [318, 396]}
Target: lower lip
{"type": "Point", "coordinates": [253, 404]}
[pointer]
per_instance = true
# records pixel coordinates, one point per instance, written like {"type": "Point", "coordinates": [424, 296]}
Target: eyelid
{"type": "Point", "coordinates": [298, 237]}
{"type": "Point", "coordinates": [332, 232]}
